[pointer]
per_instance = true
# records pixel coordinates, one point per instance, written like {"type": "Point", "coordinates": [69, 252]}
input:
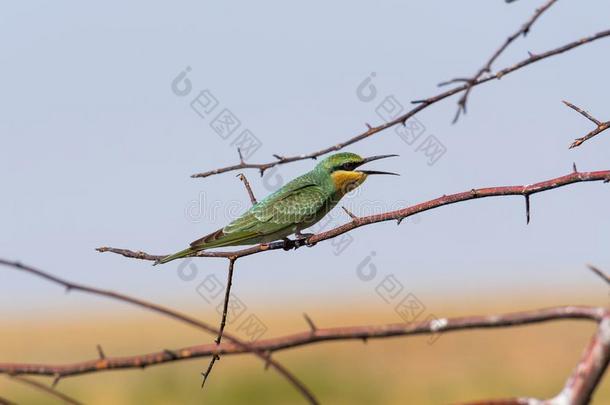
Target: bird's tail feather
{"type": "Point", "coordinates": [178, 255]}
{"type": "Point", "coordinates": [214, 240]}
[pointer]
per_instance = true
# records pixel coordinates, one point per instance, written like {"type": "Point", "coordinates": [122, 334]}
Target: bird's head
{"type": "Point", "coordinates": [342, 168]}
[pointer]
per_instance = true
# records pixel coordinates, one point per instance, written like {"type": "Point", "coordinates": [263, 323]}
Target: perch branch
{"type": "Point", "coordinates": [600, 126]}
{"type": "Point", "coordinates": [397, 215]}
{"type": "Point", "coordinates": [103, 363]}
{"type": "Point", "coordinates": [422, 104]}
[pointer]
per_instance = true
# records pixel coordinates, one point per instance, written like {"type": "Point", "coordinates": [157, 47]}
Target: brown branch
{"type": "Point", "coordinates": [601, 126]}
{"type": "Point", "coordinates": [243, 178]}
{"type": "Point", "coordinates": [397, 215]}
{"type": "Point", "coordinates": [223, 320]}
{"type": "Point", "coordinates": [524, 30]}
{"type": "Point", "coordinates": [580, 385]}
{"type": "Point", "coordinates": [422, 104]}
{"type": "Point", "coordinates": [48, 390]}
{"type": "Point", "coordinates": [103, 363]}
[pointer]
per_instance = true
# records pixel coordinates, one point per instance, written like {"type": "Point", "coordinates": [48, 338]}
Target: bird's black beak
{"type": "Point", "coordinates": [372, 158]}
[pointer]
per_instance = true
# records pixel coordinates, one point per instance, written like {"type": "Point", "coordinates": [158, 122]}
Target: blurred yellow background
{"type": "Point", "coordinates": [532, 360]}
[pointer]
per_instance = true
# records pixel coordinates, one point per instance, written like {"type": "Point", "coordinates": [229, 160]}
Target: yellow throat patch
{"type": "Point", "coordinates": [345, 181]}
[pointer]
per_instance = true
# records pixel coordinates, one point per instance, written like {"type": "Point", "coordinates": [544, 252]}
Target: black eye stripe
{"type": "Point", "coordinates": [347, 166]}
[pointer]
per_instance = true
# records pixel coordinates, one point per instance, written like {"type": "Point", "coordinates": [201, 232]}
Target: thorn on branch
{"type": "Point", "coordinates": [456, 80]}
{"type": "Point", "coordinates": [279, 157]}
{"type": "Point", "coordinates": [368, 126]}
{"type": "Point", "coordinates": [56, 380]}
{"type": "Point", "coordinates": [574, 167]}
{"type": "Point", "coordinates": [600, 273]}
{"type": "Point", "coordinates": [351, 215]}
{"type": "Point", "coordinates": [172, 354]}
{"type": "Point", "coordinates": [527, 208]}
{"type": "Point", "coordinates": [241, 157]}
{"type": "Point", "coordinates": [100, 352]}
{"type": "Point", "coordinates": [312, 326]}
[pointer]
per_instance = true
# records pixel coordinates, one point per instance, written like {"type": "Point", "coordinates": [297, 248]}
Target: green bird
{"type": "Point", "coordinates": [298, 205]}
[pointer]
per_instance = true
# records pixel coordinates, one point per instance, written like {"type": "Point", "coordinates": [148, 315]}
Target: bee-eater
{"type": "Point", "coordinates": [298, 205]}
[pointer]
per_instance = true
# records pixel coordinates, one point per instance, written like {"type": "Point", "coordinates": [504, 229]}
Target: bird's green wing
{"type": "Point", "coordinates": [296, 202]}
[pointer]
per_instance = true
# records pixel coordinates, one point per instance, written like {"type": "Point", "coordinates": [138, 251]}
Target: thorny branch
{"type": "Point", "coordinates": [397, 215]}
{"type": "Point", "coordinates": [580, 385]}
{"type": "Point", "coordinates": [421, 105]}
{"type": "Point", "coordinates": [524, 30]}
{"type": "Point", "coordinates": [601, 126]}
{"type": "Point", "coordinates": [103, 363]}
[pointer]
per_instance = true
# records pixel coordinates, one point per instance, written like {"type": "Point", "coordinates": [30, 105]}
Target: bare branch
{"type": "Point", "coordinates": [308, 337]}
{"type": "Point", "coordinates": [223, 320]}
{"type": "Point", "coordinates": [106, 364]}
{"type": "Point", "coordinates": [243, 178]}
{"type": "Point", "coordinates": [525, 28]}
{"type": "Point", "coordinates": [48, 390]}
{"type": "Point", "coordinates": [601, 126]}
{"type": "Point", "coordinates": [527, 190]}
{"type": "Point", "coordinates": [422, 104]}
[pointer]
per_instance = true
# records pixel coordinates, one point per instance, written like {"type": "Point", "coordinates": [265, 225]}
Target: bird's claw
{"type": "Point", "coordinates": [300, 240]}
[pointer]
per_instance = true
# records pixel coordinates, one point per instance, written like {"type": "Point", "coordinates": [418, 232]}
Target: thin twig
{"type": "Point", "coordinates": [243, 178]}
{"type": "Point", "coordinates": [104, 364]}
{"type": "Point", "coordinates": [523, 30]}
{"type": "Point", "coordinates": [600, 126]}
{"type": "Point", "coordinates": [223, 320]}
{"type": "Point", "coordinates": [527, 190]}
{"type": "Point", "coordinates": [422, 104]}
{"type": "Point", "coordinates": [46, 389]}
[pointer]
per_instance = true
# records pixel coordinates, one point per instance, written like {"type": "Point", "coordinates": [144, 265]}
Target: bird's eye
{"type": "Point", "coordinates": [347, 166]}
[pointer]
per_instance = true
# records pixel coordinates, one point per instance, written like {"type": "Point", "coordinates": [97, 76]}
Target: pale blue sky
{"type": "Point", "coordinates": [97, 149]}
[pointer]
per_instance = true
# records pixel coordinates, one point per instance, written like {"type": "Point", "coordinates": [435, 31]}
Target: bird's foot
{"type": "Point", "coordinates": [289, 244]}
{"type": "Point", "coordinates": [301, 239]}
